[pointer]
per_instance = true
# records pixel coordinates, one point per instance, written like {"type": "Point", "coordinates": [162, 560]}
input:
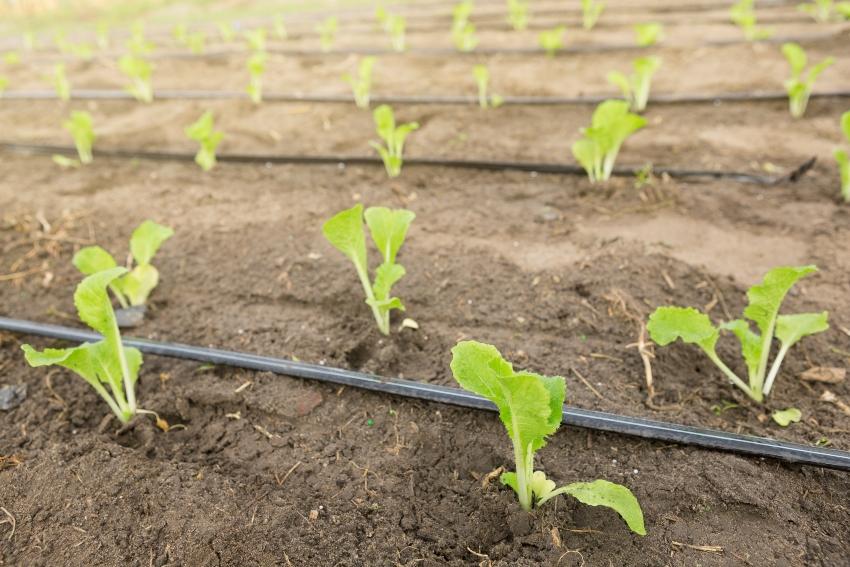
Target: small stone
{"type": "Point", "coordinates": [130, 317]}
{"type": "Point", "coordinates": [314, 515]}
{"type": "Point", "coordinates": [12, 396]}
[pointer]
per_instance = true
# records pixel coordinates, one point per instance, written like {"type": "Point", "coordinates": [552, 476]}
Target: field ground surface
{"type": "Point", "coordinates": [556, 272]}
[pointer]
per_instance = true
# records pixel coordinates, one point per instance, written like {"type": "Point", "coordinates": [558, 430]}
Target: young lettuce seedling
{"type": "Point", "coordinates": [820, 10]}
{"type": "Point", "coordinates": [203, 131]}
{"type": "Point", "coordinates": [134, 287]}
{"type": "Point", "coordinates": [12, 58]}
{"type": "Point", "coordinates": [518, 14]}
{"type": "Point", "coordinates": [667, 324]}
{"type": "Point", "coordinates": [388, 229]}
{"type": "Point", "coordinates": [397, 26]}
{"type": "Point", "coordinates": [611, 124]}
{"type": "Point", "coordinates": [81, 129]}
{"type": "Point", "coordinates": [552, 40]}
{"type": "Point", "coordinates": [843, 159]}
{"type": "Point", "coordinates": [327, 33]}
{"type": "Point", "coordinates": [226, 31]}
{"type": "Point", "coordinates": [636, 86]}
{"type": "Point", "coordinates": [482, 79]}
{"type": "Point", "coordinates": [799, 88]}
{"type": "Point", "coordinates": [4, 83]}
{"type": "Point", "coordinates": [393, 136]}
{"type": "Point", "coordinates": [361, 86]}
{"type": "Point", "coordinates": [102, 35]}
{"type": "Point", "coordinates": [256, 68]}
{"type": "Point", "coordinates": [279, 27]}
{"type": "Point", "coordinates": [743, 15]}
{"type": "Point", "coordinates": [591, 10]}
{"type": "Point", "coordinates": [648, 34]}
{"type": "Point", "coordinates": [256, 39]}
{"type": "Point", "coordinates": [138, 70]}
{"type": "Point", "coordinates": [531, 408]}
{"type": "Point", "coordinates": [60, 83]}
{"type": "Point", "coordinates": [137, 44]}
{"type": "Point", "coordinates": [463, 31]}
{"type": "Point", "coordinates": [107, 361]}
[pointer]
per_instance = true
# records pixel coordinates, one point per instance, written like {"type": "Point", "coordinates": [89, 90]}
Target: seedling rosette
{"type": "Point", "coordinates": [591, 10]}
{"type": "Point", "coordinates": [636, 86]}
{"type": "Point", "coordinates": [256, 68]}
{"type": "Point", "coordinates": [133, 287]}
{"type": "Point", "coordinates": [518, 14]}
{"type": "Point", "coordinates": [648, 34]}
{"type": "Point", "coordinates": [106, 363]}
{"type": "Point", "coordinates": [388, 229]}
{"type": "Point", "coordinates": [668, 324]}
{"type": "Point", "coordinates": [482, 80]}
{"type": "Point", "coordinates": [799, 87]}
{"type": "Point", "coordinates": [327, 33]}
{"type": "Point", "coordinates": [393, 137]}
{"type": "Point", "coordinates": [531, 408]}
{"type": "Point", "coordinates": [60, 83]}
{"type": "Point", "coordinates": [611, 124]}
{"type": "Point", "coordinates": [743, 14]}
{"type": "Point", "coordinates": [203, 131]}
{"type": "Point", "coordinates": [463, 31]}
{"type": "Point", "coordinates": [81, 127]}
{"type": "Point", "coordinates": [361, 85]}
{"type": "Point", "coordinates": [552, 41]}
{"type": "Point", "coordinates": [138, 70]}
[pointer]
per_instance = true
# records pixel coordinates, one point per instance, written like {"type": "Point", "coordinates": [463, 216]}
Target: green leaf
{"type": "Point", "coordinates": [384, 122]}
{"type": "Point", "coordinates": [792, 328]}
{"type": "Point", "coordinates": [93, 259]}
{"type": "Point", "coordinates": [611, 495]}
{"type": "Point", "coordinates": [648, 34]}
{"type": "Point", "coordinates": [787, 416]}
{"type": "Point", "coordinates": [667, 324]}
{"type": "Point", "coordinates": [81, 127]}
{"type": "Point", "coordinates": [766, 297]}
{"type": "Point", "coordinates": [146, 240]}
{"type": "Point", "coordinates": [93, 305]}
{"type": "Point", "coordinates": [796, 57]}
{"type": "Point", "coordinates": [845, 124]}
{"type": "Point", "coordinates": [345, 233]}
{"type": "Point", "coordinates": [815, 71]}
{"type": "Point", "coordinates": [589, 155]}
{"type": "Point", "coordinates": [386, 276]}
{"type": "Point", "coordinates": [524, 400]}
{"type": "Point", "coordinates": [139, 283]}
{"type": "Point", "coordinates": [620, 81]}
{"type": "Point", "coordinates": [751, 344]}
{"type": "Point", "coordinates": [389, 229]}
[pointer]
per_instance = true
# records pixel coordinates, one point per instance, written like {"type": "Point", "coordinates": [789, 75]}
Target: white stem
{"type": "Point", "coordinates": [774, 370]}
{"type": "Point", "coordinates": [129, 387]}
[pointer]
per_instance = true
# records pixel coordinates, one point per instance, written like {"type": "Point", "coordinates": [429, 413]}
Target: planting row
{"type": "Point", "coordinates": [388, 229]}
{"type": "Point", "coordinates": [462, 29]}
{"type": "Point", "coordinates": [611, 124]}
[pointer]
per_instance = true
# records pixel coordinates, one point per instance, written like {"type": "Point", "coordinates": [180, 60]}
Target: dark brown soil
{"type": "Point", "coordinates": [554, 271]}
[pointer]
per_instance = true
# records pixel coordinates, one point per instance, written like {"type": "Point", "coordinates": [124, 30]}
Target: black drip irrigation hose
{"type": "Point", "coordinates": [446, 100]}
{"type": "Point", "coordinates": [589, 419]}
{"type": "Point", "coordinates": [341, 160]}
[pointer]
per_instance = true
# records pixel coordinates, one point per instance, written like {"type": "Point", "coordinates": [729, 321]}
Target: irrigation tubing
{"type": "Point", "coordinates": [590, 419]}
{"type": "Point", "coordinates": [446, 100]}
{"type": "Point", "coordinates": [342, 160]}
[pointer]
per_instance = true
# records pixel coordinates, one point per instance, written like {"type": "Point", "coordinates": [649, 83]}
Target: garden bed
{"type": "Point", "coordinates": [556, 272]}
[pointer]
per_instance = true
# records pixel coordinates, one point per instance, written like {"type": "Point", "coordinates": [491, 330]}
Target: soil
{"type": "Point", "coordinates": [556, 272]}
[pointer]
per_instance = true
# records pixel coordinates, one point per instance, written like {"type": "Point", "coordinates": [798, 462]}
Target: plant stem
{"type": "Point", "coordinates": [121, 412]}
{"type": "Point", "coordinates": [774, 370]}
{"type": "Point", "coordinates": [129, 388]}
{"type": "Point", "coordinates": [383, 322]}
{"type": "Point", "coordinates": [523, 489]}
{"type": "Point", "coordinates": [734, 378]}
